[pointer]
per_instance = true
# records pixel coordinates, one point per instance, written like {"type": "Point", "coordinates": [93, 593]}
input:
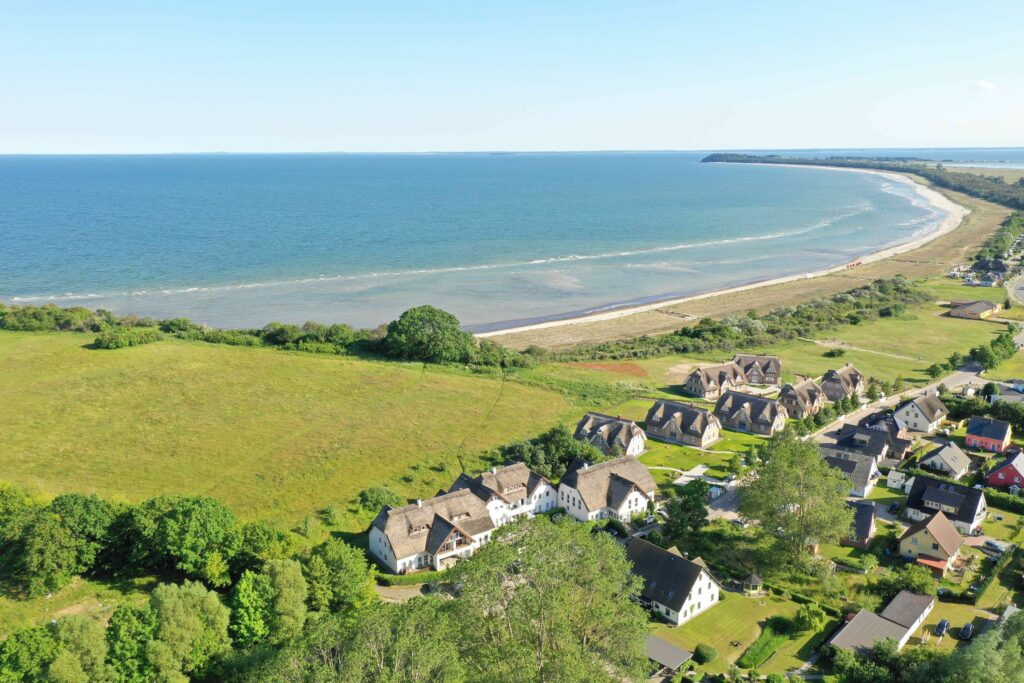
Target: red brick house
{"type": "Point", "coordinates": [1010, 472]}
{"type": "Point", "coordinates": [988, 434]}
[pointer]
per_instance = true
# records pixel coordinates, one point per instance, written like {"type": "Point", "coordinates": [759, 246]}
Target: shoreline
{"type": "Point", "coordinates": [954, 216]}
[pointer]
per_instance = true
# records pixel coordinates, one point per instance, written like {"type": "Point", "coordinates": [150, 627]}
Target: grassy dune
{"type": "Point", "coordinates": [275, 435]}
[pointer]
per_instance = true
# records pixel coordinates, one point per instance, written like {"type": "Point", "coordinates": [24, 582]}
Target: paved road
{"type": "Point", "coordinates": [967, 373]}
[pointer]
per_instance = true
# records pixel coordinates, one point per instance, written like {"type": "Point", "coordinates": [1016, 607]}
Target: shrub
{"type": "Point", "coordinates": [123, 337]}
{"type": "Point", "coordinates": [376, 497]}
{"type": "Point", "coordinates": [774, 634]}
{"type": "Point", "coordinates": [704, 653]}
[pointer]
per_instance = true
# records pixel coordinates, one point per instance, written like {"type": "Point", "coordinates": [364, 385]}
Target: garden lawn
{"type": "Point", "coordinates": [274, 434]}
{"type": "Point", "coordinates": [739, 618]}
{"type": "Point", "coordinates": [958, 614]}
{"type": "Point", "coordinates": [1005, 589]}
{"type": "Point", "coordinates": [949, 289]}
{"type": "Point", "coordinates": [684, 458]}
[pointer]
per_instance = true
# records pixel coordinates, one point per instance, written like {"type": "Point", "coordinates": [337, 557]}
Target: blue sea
{"type": "Point", "coordinates": [242, 240]}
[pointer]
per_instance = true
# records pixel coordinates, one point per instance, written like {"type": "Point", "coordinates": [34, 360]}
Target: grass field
{"type": "Point", "coordinates": [737, 618]}
{"type": "Point", "coordinates": [95, 599]}
{"type": "Point", "coordinates": [273, 434]}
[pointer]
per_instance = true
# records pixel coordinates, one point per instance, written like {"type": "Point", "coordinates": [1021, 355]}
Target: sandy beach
{"type": "Point", "coordinates": [954, 215]}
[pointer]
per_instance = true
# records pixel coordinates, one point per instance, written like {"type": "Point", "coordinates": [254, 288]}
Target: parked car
{"type": "Point", "coordinates": [996, 546]}
{"type": "Point", "coordinates": [942, 628]}
{"type": "Point", "coordinates": [967, 631]}
{"type": "Point", "coordinates": [740, 522]}
{"type": "Point", "coordinates": [894, 508]}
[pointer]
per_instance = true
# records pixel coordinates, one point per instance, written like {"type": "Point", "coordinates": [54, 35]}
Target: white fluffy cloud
{"type": "Point", "coordinates": [987, 85]}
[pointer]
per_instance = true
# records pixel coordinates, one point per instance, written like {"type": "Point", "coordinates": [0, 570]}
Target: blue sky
{"type": "Point", "coordinates": [335, 76]}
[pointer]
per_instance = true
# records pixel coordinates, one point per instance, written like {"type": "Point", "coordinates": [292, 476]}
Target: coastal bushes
{"type": "Point", "coordinates": [867, 302]}
{"type": "Point", "coordinates": [123, 337]}
{"type": "Point", "coordinates": [51, 317]}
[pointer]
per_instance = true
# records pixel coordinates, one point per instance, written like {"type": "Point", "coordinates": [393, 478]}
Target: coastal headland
{"type": "Point", "coordinates": [967, 222]}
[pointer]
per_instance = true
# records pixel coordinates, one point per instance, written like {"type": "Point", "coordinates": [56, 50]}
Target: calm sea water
{"type": "Point", "coordinates": [240, 240]}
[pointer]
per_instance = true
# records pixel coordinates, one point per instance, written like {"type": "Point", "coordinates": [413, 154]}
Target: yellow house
{"type": "Point", "coordinates": [933, 543]}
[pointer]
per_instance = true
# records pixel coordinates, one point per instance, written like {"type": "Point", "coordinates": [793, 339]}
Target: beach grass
{"type": "Point", "coordinates": [276, 435]}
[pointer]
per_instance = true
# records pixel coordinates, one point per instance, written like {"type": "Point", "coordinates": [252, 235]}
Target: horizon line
{"type": "Point", "coordinates": [501, 151]}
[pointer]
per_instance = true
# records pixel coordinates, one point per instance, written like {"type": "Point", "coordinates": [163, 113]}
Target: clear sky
{"type": "Point", "coordinates": [203, 76]}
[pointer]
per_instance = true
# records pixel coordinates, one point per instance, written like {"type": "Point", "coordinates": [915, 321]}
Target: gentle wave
{"type": "Point", "coordinates": [571, 258]}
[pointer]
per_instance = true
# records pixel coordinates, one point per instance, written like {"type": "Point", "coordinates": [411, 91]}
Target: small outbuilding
{"type": "Point", "coordinates": [670, 658]}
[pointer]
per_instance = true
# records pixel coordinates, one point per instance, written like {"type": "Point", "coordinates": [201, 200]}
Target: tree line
{"type": "Point", "coordinates": [423, 334]}
{"type": "Point", "coordinates": [990, 188]}
{"type": "Point", "coordinates": [544, 600]}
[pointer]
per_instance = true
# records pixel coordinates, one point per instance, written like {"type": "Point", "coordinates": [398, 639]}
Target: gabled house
{"type": "Point", "coordinates": [802, 399]}
{"type": "Point", "coordinates": [896, 433]}
{"type": "Point", "coordinates": [933, 542]}
{"type": "Point", "coordinates": [859, 469]}
{"type": "Point", "coordinates": [859, 441]}
{"type": "Point", "coordinates": [430, 534]}
{"type": "Point", "coordinates": [1009, 472]}
{"type": "Point", "coordinates": [510, 492]}
{"type": "Point", "coordinates": [988, 434]}
{"type": "Point", "coordinates": [749, 413]}
{"type": "Point", "coordinates": [946, 459]}
{"type": "Point", "coordinates": [759, 369]}
{"type": "Point", "coordinates": [990, 279]}
{"type": "Point", "coordinates": [898, 621]}
{"type": "Point", "coordinates": [863, 528]}
{"type": "Point", "coordinates": [845, 382]}
{"type": "Point", "coordinates": [974, 310]}
{"type": "Point", "coordinates": [683, 424]}
{"type": "Point", "coordinates": [615, 489]}
{"type": "Point", "coordinates": [922, 414]}
{"type": "Point", "coordinates": [712, 381]}
{"type": "Point", "coordinates": [436, 533]}
{"type": "Point", "coordinates": [676, 588]}
{"type": "Point", "coordinates": [965, 507]}
{"type": "Point", "coordinates": [609, 433]}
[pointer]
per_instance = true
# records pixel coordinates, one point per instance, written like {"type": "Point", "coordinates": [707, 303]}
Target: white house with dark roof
{"type": "Point", "coordinates": [614, 489]}
{"type": "Point", "coordinates": [922, 414]}
{"type": "Point", "coordinates": [859, 469]}
{"type": "Point", "coordinates": [436, 533]}
{"type": "Point", "coordinates": [676, 588]}
{"type": "Point", "coordinates": [682, 423]}
{"type": "Point", "coordinates": [965, 506]}
{"type": "Point", "coordinates": [609, 433]}
{"type": "Point", "coordinates": [947, 459]}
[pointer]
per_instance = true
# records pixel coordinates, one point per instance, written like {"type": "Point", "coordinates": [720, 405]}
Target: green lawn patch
{"type": "Point", "coordinates": [774, 633]}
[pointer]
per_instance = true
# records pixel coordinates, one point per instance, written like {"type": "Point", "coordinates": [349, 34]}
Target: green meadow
{"type": "Point", "coordinates": [275, 435]}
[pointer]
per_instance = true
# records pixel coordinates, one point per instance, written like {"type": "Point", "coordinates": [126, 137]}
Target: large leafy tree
{"type": "Point", "coordinates": [191, 628]}
{"type": "Point", "coordinates": [288, 602]}
{"type": "Point", "coordinates": [193, 534]}
{"type": "Point", "coordinates": [250, 609]}
{"type": "Point", "coordinates": [128, 634]}
{"type": "Point", "coordinates": [339, 577]}
{"type": "Point", "coordinates": [548, 601]}
{"type": "Point", "coordinates": [687, 513]}
{"type": "Point", "coordinates": [796, 497]}
{"type": "Point", "coordinates": [429, 335]}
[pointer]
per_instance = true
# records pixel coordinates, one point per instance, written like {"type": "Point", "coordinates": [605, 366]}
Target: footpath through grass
{"type": "Point", "coordinates": [274, 435]}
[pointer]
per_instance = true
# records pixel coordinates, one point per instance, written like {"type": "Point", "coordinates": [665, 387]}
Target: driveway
{"type": "Point", "coordinates": [726, 506]}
